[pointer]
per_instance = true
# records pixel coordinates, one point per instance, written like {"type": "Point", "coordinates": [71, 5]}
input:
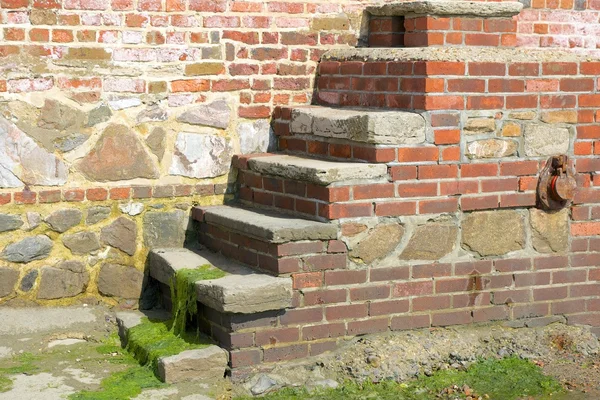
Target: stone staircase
{"type": "Point", "coordinates": [281, 234]}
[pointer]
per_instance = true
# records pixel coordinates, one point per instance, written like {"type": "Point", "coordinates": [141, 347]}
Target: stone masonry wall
{"type": "Point", "coordinates": [138, 105]}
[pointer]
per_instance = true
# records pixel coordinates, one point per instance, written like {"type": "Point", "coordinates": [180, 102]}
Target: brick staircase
{"type": "Point", "coordinates": [298, 281]}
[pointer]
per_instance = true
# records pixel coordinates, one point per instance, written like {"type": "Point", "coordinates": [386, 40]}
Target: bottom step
{"type": "Point", "coordinates": [205, 364]}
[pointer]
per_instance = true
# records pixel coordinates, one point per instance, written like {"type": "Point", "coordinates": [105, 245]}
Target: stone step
{"type": "Point", "coordinates": [241, 290]}
{"type": "Point", "coordinates": [373, 126]}
{"type": "Point", "coordinates": [208, 364]}
{"type": "Point", "coordinates": [266, 226]}
{"type": "Point", "coordinates": [319, 172]}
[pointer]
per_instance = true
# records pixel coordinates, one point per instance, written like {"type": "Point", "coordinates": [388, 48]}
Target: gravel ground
{"type": "Point", "coordinates": [572, 354]}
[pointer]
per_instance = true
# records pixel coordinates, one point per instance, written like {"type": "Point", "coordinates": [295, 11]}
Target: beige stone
{"type": "Point", "coordinates": [550, 231]}
{"type": "Point", "coordinates": [42, 17]}
{"type": "Point", "coordinates": [431, 241]}
{"type": "Point", "coordinates": [493, 233]}
{"type": "Point", "coordinates": [545, 140]}
{"type": "Point", "coordinates": [87, 53]}
{"type": "Point", "coordinates": [352, 229]}
{"type": "Point", "coordinates": [380, 242]}
{"type": "Point", "coordinates": [511, 130]}
{"type": "Point", "coordinates": [477, 125]}
{"type": "Point", "coordinates": [561, 116]}
{"type": "Point", "coordinates": [523, 115]}
{"type": "Point", "coordinates": [207, 68]}
{"type": "Point", "coordinates": [491, 148]}
{"type": "Point", "coordinates": [338, 23]}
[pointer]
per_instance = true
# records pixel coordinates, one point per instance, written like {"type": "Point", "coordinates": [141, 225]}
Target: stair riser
{"type": "Point", "coordinates": [275, 259]}
{"type": "Point", "coordinates": [326, 203]}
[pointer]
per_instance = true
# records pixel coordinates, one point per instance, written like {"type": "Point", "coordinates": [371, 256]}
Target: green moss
{"type": "Point", "coordinates": [506, 379]}
{"type": "Point", "coordinates": [122, 385]}
{"type": "Point", "coordinates": [149, 341]}
{"type": "Point", "coordinates": [183, 293]}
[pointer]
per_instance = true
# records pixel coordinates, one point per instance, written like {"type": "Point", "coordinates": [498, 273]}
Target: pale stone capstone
{"type": "Point", "coordinates": [255, 137]}
{"type": "Point", "coordinates": [216, 114]}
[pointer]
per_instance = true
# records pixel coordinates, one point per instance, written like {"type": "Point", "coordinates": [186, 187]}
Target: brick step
{"type": "Point", "coordinates": [205, 364]}
{"type": "Point", "coordinates": [241, 290]}
{"type": "Point", "coordinates": [270, 241]}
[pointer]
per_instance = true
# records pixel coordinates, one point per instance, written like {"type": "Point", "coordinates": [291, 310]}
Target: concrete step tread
{"type": "Point", "coordinates": [242, 290]}
{"type": "Point", "coordinates": [268, 226]}
{"type": "Point", "coordinates": [448, 7]}
{"type": "Point", "coordinates": [367, 125]}
{"type": "Point", "coordinates": [320, 172]}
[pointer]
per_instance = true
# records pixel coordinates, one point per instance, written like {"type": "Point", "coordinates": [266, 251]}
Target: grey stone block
{"type": "Point", "coordinates": [361, 125]}
{"type": "Point", "coordinates": [208, 364]}
{"type": "Point", "coordinates": [29, 249]}
{"type": "Point", "coordinates": [269, 226]}
{"type": "Point", "coordinates": [319, 172]}
{"type": "Point", "coordinates": [65, 219]}
{"type": "Point", "coordinates": [10, 222]}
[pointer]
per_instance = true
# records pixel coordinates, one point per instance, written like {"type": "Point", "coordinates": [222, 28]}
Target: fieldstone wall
{"type": "Point", "coordinates": [92, 250]}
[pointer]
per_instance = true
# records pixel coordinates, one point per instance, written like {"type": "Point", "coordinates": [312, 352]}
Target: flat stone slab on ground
{"type": "Point", "coordinates": [18, 321]}
{"type": "Point", "coordinates": [206, 364]}
{"type": "Point", "coordinates": [320, 172]}
{"type": "Point", "coordinates": [242, 290]}
{"type": "Point", "coordinates": [385, 127]}
{"type": "Point", "coordinates": [268, 226]}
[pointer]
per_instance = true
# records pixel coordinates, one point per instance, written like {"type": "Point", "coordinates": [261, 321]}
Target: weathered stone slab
{"type": "Point", "coordinates": [493, 233]}
{"type": "Point", "coordinates": [29, 249]}
{"type": "Point", "coordinates": [67, 279]}
{"type": "Point", "coordinates": [431, 241]}
{"type": "Point", "coordinates": [550, 231]}
{"type": "Point", "coordinates": [118, 155]}
{"type": "Point", "coordinates": [545, 140]}
{"type": "Point", "coordinates": [165, 229]}
{"type": "Point", "coordinates": [479, 125]}
{"type": "Point", "coordinates": [120, 281]}
{"type": "Point", "coordinates": [361, 125]}
{"type": "Point", "coordinates": [121, 234]}
{"type": "Point", "coordinates": [98, 115]}
{"type": "Point", "coordinates": [8, 281]}
{"type": "Point", "coordinates": [269, 226]}
{"type": "Point", "coordinates": [81, 242]}
{"type": "Point", "coordinates": [70, 142]}
{"type": "Point", "coordinates": [65, 219]}
{"type": "Point", "coordinates": [319, 172]}
{"type": "Point", "coordinates": [241, 291]}
{"type": "Point", "coordinates": [216, 114]}
{"type": "Point", "coordinates": [255, 137]}
{"type": "Point", "coordinates": [201, 156]}
{"type": "Point", "coordinates": [208, 364]}
{"type": "Point", "coordinates": [152, 114]}
{"type": "Point", "coordinates": [59, 116]}
{"type": "Point", "coordinates": [381, 241]}
{"type": "Point", "coordinates": [448, 7]}
{"type": "Point", "coordinates": [10, 222]}
{"type": "Point", "coordinates": [22, 161]}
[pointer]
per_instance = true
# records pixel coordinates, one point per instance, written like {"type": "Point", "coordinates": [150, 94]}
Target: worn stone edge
{"type": "Point", "coordinates": [468, 8]}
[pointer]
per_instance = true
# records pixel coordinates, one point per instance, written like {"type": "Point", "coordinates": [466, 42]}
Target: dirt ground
{"type": "Point", "coordinates": [59, 349]}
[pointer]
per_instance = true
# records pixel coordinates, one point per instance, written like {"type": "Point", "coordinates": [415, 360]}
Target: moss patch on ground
{"type": "Point", "coordinates": [505, 379]}
{"type": "Point", "coordinates": [19, 364]}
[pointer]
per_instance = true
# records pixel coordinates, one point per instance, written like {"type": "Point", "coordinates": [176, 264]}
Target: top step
{"type": "Point", "coordinates": [448, 7]}
{"type": "Point", "coordinates": [374, 126]}
{"type": "Point", "coordinates": [267, 226]}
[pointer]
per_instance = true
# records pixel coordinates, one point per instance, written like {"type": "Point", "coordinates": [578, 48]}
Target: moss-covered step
{"type": "Point", "coordinates": [174, 358]}
{"type": "Point", "coordinates": [239, 290]}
